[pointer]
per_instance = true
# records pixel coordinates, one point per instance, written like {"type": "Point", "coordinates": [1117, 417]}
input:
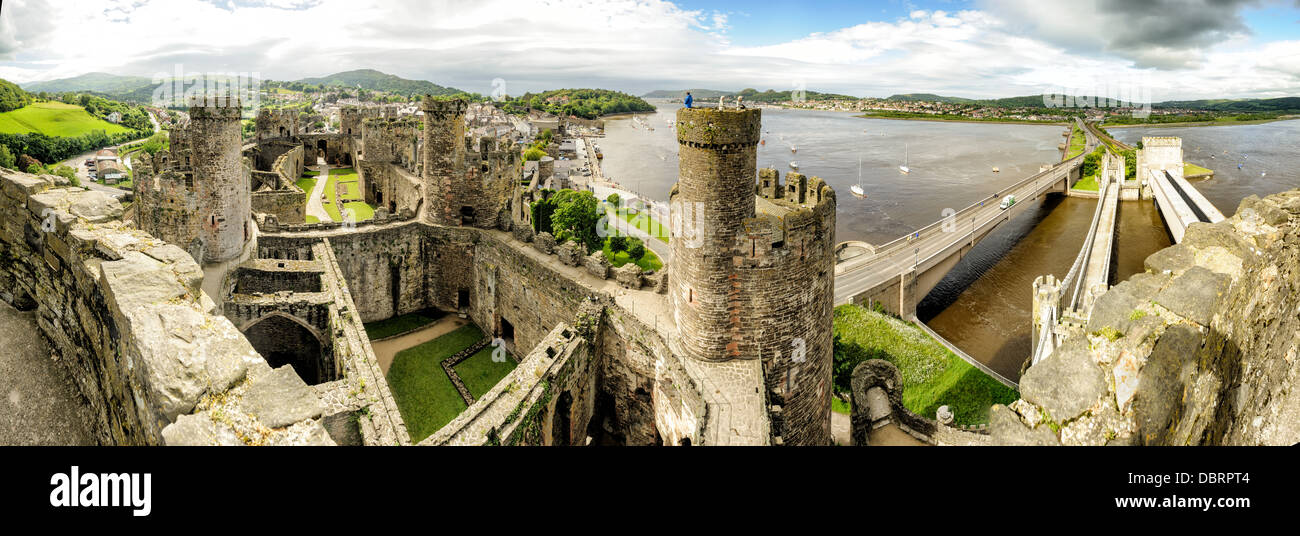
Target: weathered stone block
{"type": "Point", "coordinates": [570, 254]}
{"type": "Point", "coordinates": [199, 430]}
{"type": "Point", "coordinates": [544, 243]}
{"type": "Point", "coordinates": [280, 398]}
{"type": "Point", "coordinates": [628, 275]}
{"type": "Point", "coordinates": [1065, 383]}
{"type": "Point", "coordinates": [1194, 294]}
{"type": "Point", "coordinates": [1160, 387]}
{"type": "Point", "coordinates": [1173, 259]}
{"type": "Point", "coordinates": [1005, 428]}
{"type": "Point", "coordinates": [597, 265]}
{"type": "Point", "coordinates": [95, 206]}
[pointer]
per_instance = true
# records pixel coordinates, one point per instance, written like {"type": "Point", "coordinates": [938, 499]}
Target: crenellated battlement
{"type": "Point", "coordinates": [725, 129]}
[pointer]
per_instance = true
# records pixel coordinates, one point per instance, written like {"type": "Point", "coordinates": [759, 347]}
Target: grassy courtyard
{"type": "Point", "coordinates": [345, 178]}
{"type": "Point", "coordinates": [642, 220]}
{"type": "Point", "coordinates": [480, 373]}
{"type": "Point", "coordinates": [932, 375]}
{"type": "Point", "coordinates": [54, 119]}
{"type": "Point", "coordinates": [400, 324]}
{"type": "Point", "coordinates": [424, 394]}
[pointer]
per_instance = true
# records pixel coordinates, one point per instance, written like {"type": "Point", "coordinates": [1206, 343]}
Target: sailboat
{"type": "Point", "coordinates": [857, 188]}
{"type": "Point", "coordinates": [904, 167]}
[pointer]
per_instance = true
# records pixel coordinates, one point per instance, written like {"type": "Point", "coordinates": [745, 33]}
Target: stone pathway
{"type": "Point", "coordinates": [388, 348]}
{"type": "Point", "coordinates": [39, 402]}
{"type": "Point", "coordinates": [314, 206]}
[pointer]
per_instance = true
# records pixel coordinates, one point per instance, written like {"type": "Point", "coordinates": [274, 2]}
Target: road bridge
{"type": "Point", "coordinates": [899, 274]}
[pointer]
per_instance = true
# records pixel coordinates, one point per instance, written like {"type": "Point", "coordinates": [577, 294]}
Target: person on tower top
{"type": "Point", "coordinates": [689, 100]}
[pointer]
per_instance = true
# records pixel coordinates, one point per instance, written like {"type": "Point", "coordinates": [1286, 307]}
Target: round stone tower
{"type": "Point", "coordinates": [717, 155]}
{"type": "Point", "coordinates": [444, 159]}
{"type": "Point", "coordinates": [222, 183]}
{"type": "Point", "coordinates": [752, 273]}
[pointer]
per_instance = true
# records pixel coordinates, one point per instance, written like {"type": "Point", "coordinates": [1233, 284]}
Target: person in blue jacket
{"type": "Point", "coordinates": [688, 99]}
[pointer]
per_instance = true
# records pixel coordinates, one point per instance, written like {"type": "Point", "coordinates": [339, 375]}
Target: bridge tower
{"type": "Point", "coordinates": [752, 274]}
{"type": "Point", "coordinates": [222, 181]}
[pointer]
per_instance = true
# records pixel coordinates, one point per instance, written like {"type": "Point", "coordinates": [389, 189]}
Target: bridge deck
{"type": "Point", "coordinates": [1181, 203]}
{"type": "Point", "coordinates": [1097, 270]}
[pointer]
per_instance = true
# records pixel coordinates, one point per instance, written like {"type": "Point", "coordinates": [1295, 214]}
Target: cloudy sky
{"type": "Point", "coordinates": [1175, 49]}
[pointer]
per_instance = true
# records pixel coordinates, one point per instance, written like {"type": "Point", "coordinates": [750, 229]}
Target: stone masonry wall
{"type": "Point", "coordinates": [126, 314]}
{"type": "Point", "coordinates": [1200, 349]}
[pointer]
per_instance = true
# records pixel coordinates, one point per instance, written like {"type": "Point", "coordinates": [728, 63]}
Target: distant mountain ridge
{"type": "Point", "coordinates": [96, 82]}
{"type": "Point", "coordinates": [380, 81]}
{"type": "Point", "coordinates": [681, 94]}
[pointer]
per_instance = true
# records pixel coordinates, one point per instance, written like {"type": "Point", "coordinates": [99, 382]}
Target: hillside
{"type": "Point", "coordinates": [108, 84]}
{"type": "Point", "coordinates": [584, 103]}
{"type": "Point", "coordinates": [378, 81]}
{"type": "Point", "coordinates": [928, 97]}
{"type": "Point", "coordinates": [1281, 104]}
{"type": "Point", "coordinates": [54, 119]}
{"type": "Point", "coordinates": [12, 97]}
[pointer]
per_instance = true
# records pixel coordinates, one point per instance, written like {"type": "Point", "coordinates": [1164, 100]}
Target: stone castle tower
{"type": "Point", "coordinates": [467, 181]}
{"type": "Point", "coordinates": [752, 273]}
{"type": "Point", "coordinates": [221, 180]}
{"type": "Point", "coordinates": [444, 158]}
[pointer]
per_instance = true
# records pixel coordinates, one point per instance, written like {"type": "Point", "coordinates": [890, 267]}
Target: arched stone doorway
{"type": "Point", "coordinates": [285, 340]}
{"type": "Point", "coordinates": [561, 430]}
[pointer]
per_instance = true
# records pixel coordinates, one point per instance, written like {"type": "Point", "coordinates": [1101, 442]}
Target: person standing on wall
{"type": "Point", "coordinates": [689, 100]}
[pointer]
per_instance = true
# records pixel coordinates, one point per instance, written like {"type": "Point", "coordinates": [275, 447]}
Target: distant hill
{"type": "Point", "coordinates": [378, 81]}
{"type": "Point", "coordinates": [584, 103]}
{"type": "Point", "coordinates": [1280, 104]}
{"type": "Point", "coordinates": [928, 97]}
{"type": "Point", "coordinates": [681, 94]}
{"type": "Point", "coordinates": [105, 83]}
{"type": "Point", "coordinates": [12, 97]}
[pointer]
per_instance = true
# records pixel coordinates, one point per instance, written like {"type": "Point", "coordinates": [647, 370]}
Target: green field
{"type": "Point", "coordinates": [1190, 170]}
{"type": "Point", "coordinates": [424, 394]}
{"type": "Point", "coordinates": [1088, 184]}
{"type": "Point", "coordinates": [54, 119]}
{"type": "Point", "coordinates": [646, 223]}
{"type": "Point", "coordinates": [351, 198]}
{"type": "Point", "coordinates": [1078, 142]}
{"type": "Point", "coordinates": [649, 261]}
{"type": "Point", "coordinates": [932, 375]}
{"type": "Point", "coordinates": [480, 373]}
{"type": "Point", "coordinates": [400, 324]}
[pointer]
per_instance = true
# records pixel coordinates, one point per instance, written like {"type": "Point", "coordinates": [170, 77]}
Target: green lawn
{"type": "Point", "coordinates": [311, 219]}
{"type": "Point", "coordinates": [932, 375]}
{"type": "Point", "coordinates": [360, 210]}
{"type": "Point", "coordinates": [480, 373]}
{"type": "Point", "coordinates": [1193, 169]}
{"type": "Point", "coordinates": [1078, 142]}
{"type": "Point", "coordinates": [840, 406]}
{"type": "Point", "coordinates": [306, 184]}
{"type": "Point", "coordinates": [1088, 183]}
{"type": "Point", "coordinates": [54, 119]}
{"type": "Point", "coordinates": [401, 324]}
{"type": "Point", "coordinates": [424, 394]}
{"type": "Point", "coordinates": [645, 222]}
{"type": "Point", "coordinates": [649, 261]}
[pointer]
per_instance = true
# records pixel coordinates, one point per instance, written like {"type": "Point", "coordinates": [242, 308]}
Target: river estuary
{"type": "Point", "coordinates": [982, 305]}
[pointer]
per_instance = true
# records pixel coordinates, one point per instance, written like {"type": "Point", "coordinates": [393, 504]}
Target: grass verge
{"type": "Point", "coordinates": [480, 373]}
{"type": "Point", "coordinates": [400, 324]}
{"type": "Point", "coordinates": [932, 375]}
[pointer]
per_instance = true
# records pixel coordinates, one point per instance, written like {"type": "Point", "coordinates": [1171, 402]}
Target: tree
{"type": "Point", "coordinates": [534, 154]}
{"type": "Point", "coordinates": [613, 199]}
{"type": "Point", "coordinates": [617, 243]}
{"type": "Point", "coordinates": [7, 159]}
{"type": "Point", "coordinates": [576, 213]}
{"type": "Point", "coordinates": [635, 248]}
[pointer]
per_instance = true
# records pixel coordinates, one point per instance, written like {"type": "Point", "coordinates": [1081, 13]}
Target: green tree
{"type": "Point", "coordinates": [7, 159]}
{"type": "Point", "coordinates": [635, 248]}
{"type": "Point", "coordinates": [617, 243]}
{"type": "Point", "coordinates": [576, 213]}
{"type": "Point", "coordinates": [534, 154]}
{"type": "Point", "coordinates": [613, 199]}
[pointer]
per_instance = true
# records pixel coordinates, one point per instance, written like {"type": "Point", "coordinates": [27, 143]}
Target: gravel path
{"type": "Point", "coordinates": [39, 402]}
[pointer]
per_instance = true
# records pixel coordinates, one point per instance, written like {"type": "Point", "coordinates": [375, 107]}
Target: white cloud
{"type": "Point", "coordinates": [635, 45]}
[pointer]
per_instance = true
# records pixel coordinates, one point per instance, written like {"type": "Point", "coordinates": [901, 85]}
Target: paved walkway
{"type": "Point", "coordinates": [39, 402]}
{"type": "Point", "coordinates": [314, 206]}
{"type": "Point", "coordinates": [387, 349]}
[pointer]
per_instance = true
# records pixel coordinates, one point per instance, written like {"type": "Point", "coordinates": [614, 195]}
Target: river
{"type": "Point", "coordinates": [983, 304]}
